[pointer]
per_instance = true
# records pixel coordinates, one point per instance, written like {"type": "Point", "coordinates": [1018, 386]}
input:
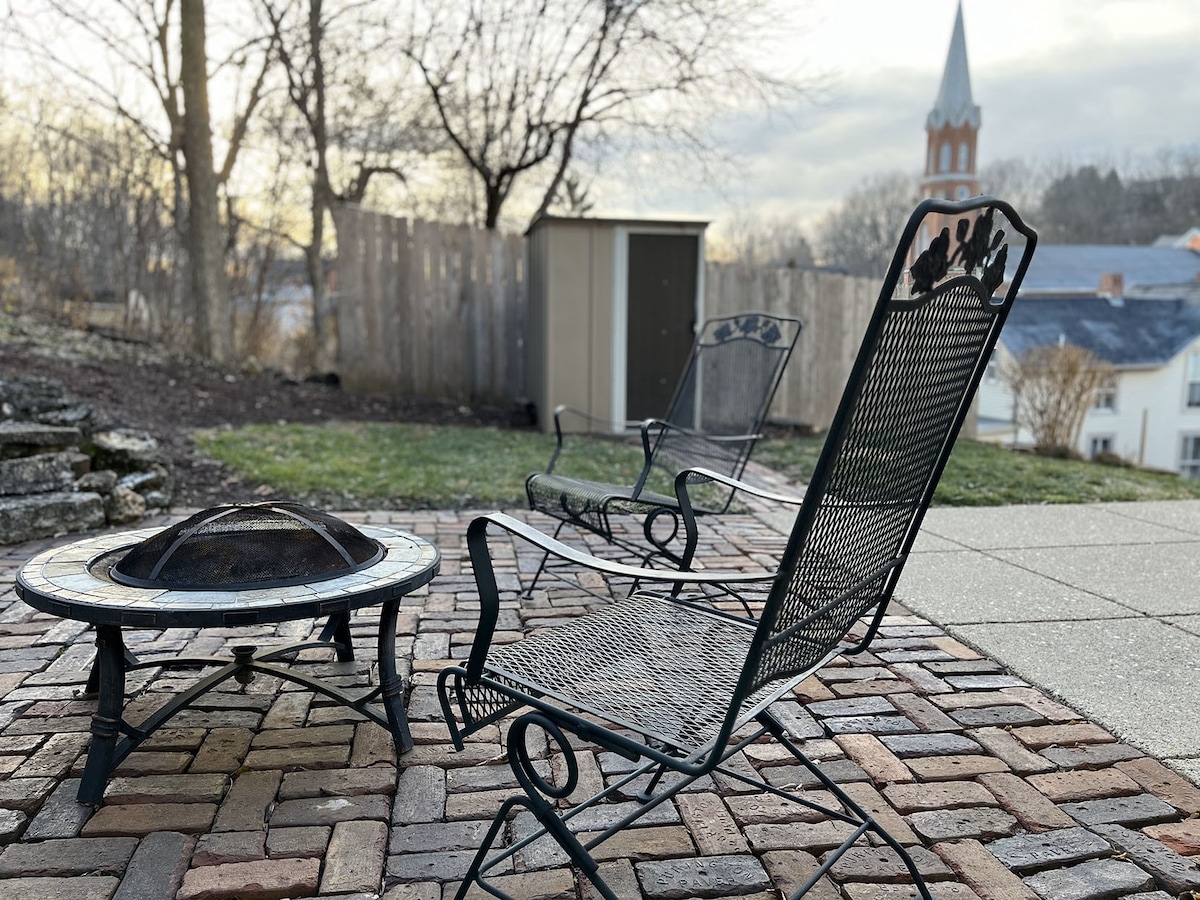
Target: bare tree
{"type": "Point", "coordinates": [357, 125]}
{"type": "Point", "coordinates": [1021, 182]}
{"type": "Point", "coordinates": [82, 213]}
{"type": "Point", "coordinates": [163, 44]}
{"type": "Point", "coordinates": [214, 315]}
{"type": "Point", "coordinates": [1055, 386]}
{"type": "Point", "coordinates": [519, 85]}
{"type": "Point", "coordinates": [860, 235]}
{"type": "Point", "coordinates": [766, 241]}
{"type": "Point", "coordinates": [572, 197]}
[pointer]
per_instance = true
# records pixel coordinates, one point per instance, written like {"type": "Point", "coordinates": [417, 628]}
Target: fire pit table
{"type": "Point", "coordinates": [229, 566]}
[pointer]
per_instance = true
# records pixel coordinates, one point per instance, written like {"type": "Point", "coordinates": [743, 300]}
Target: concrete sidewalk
{"type": "Point", "coordinates": [1097, 604]}
{"type": "Point", "coordinates": [1000, 792]}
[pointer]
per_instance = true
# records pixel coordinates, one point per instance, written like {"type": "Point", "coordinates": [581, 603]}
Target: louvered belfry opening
{"type": "Point", "coordinates": [247, 546]}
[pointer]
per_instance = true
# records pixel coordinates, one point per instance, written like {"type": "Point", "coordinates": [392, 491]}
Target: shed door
{"type": "Point", "coordinates": [661, 319]}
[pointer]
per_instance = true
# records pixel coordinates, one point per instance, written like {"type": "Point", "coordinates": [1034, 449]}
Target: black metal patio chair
{"type": "Point", "coordinates": [680, 686]}
{"type": "Point", "coordinates": [714, 420]}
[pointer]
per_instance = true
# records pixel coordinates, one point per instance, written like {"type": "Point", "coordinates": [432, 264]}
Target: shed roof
{"type": "Point", "coordinates": [690, 225]}
{"type": "Point", "coordinates": [1124, 333]}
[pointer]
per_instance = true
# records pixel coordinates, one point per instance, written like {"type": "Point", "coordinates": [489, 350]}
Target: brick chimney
{"type": "Point", "coordinates": [1112, 285]}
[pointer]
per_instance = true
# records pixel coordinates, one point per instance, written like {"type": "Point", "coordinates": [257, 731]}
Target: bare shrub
{"type": "Point", "coordinates": [1055, 386]}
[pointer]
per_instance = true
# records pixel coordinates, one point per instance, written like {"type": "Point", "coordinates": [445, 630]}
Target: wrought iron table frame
{"type": "Point", "coordinates": [59, 582]}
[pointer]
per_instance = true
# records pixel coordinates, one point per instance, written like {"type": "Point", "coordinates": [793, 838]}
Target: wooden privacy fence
{"type": "Point", "coordinates": [441, 311]}
{"type": "Point", "coordinates": [835, 310]}
{"type": "Point", "coordinates": [429, 310]}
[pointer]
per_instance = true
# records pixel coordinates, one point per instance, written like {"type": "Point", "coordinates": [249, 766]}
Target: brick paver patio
{"type": "Point", "coordinates": [265, 792]}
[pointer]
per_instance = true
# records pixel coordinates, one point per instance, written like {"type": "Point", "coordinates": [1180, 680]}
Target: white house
{"type": "Point", "coordinates": [1150, 413]}
{"type": "Point", "coordinates": [1189, 240]}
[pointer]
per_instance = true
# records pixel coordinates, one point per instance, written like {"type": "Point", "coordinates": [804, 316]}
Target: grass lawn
{"type": "Point", "coordinates": [386, 465]}
{"type": "Point", "coordinates": [980, 474]}
{"type": "Point", "coordinates": [456, 467]}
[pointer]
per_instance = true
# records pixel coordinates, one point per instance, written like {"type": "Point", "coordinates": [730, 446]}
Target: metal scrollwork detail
{"type": "Point", "coordinates": [523, 765]}
{"type": "Point", "coordinates": [763, 330]}
{"type": "Point", "coordinates": [978, 251]}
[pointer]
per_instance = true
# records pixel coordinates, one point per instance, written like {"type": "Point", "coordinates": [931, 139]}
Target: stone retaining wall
{"type": "Point", "coordinates": [63, 469]}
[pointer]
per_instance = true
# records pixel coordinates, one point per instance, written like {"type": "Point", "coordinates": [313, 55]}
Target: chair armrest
{"type": "Point", "coordinates": [654, 430]}
{"type": "Point", "coordinates": [708, 474]}
{"type": "Point", "coordinates": [489, 592]}
{"type": "Point", "coordinates": [558, 429]}
{"type": "Point", "coordinates": [660, 426]}
{"type": "Point", "coordinates": [688, 512]}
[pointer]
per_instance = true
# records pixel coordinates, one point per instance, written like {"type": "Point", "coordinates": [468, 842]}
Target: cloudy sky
{"type": "Point", "coordinates": [1058, 80]}
{"type": "Point", "coordinates": [1070, 80]}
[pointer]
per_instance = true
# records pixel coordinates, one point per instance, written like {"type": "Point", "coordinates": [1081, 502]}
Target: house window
{"type": "Point", "coordinates": [1189, 459]}
{"type": "Point", "coordinates": [1106, 395]}
{"type": "Point", "coordinates": [992, 373]}
{"type": "Point", "coordinates": [1102, 443]}
{"type": "Point", "coordinates": [963, 156]}
{"type": "Point", "coordinates": [944, 158]}
{"type": "Point", "coordinates": [1193, 380]}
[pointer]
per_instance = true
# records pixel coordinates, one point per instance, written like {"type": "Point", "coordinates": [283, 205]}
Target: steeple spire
{"type": "Point", "coordinates": [955, 106]}
{"type": "Point", "coordinates": [953, 127]}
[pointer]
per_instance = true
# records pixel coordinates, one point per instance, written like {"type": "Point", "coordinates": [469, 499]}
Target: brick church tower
{"type": "Point", "coordinates": [953, 128]}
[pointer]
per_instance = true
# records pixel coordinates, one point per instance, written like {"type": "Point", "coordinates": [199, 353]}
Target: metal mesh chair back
{"type": "Point", "coordinates": [929, 340]}
{"type": "Point", "coordinates": [725, 390]}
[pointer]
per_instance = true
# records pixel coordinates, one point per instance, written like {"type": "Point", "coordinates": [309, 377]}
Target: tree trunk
{"type": "Point", "coordinates": [493, 201]}
{"type": "Point", "coordinates": [210, 297]}
{"type": "Point", "coordinates": [324, 325]}
{"type": "Point", "coordinates": [324, 334]}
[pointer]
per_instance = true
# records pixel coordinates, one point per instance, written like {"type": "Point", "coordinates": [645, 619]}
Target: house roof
{"type": "Point", "coordinates": [1077, 268]}
{"type": "Point", "coordinates": [1124, 333]}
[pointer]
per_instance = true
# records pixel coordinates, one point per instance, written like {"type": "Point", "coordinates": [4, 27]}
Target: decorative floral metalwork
{"type": "Point", "coordinates": [765, 330]}
{"type": "Point", "coordinates": [979, 252]}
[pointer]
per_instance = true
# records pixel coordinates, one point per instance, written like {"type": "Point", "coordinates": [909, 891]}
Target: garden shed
{"type": "Point", "coordinates": [613, 306]}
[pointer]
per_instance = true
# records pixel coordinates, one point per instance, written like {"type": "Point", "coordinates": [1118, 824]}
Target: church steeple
{"type": "Point", "coordinates": [953, 127]}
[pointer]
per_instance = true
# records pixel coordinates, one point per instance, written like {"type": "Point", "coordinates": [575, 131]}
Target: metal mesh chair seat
{"type": "Point", "coordinates": [664, 669]}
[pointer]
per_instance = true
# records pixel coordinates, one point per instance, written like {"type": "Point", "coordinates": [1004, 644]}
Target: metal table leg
{"type": "Point", "coordinates": [337, 630]}
{"type": "Point", "coordinates": [390, 684]}
{"type": "Point", "coordinates": [109, 672]}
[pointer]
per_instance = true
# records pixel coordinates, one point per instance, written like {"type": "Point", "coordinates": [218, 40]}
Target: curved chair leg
{"type": "Point", "coordinates": [537, 789]}
{"type": "Point", "coordinates": [473, 875]}
{"type": "Point", "coordinates": [866, 822]}
{"type": "Point", "coordinates": [661, 543]}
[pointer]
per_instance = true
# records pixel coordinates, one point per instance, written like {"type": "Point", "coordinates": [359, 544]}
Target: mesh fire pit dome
{"type": "Point", "coordinates": [239, 547]}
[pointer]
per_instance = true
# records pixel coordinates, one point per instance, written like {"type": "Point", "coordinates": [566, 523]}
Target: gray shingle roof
{"type": "Point", "coordinates": [1078, 267]}
{"type": "Point", "coordinates": [1129, 333]}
